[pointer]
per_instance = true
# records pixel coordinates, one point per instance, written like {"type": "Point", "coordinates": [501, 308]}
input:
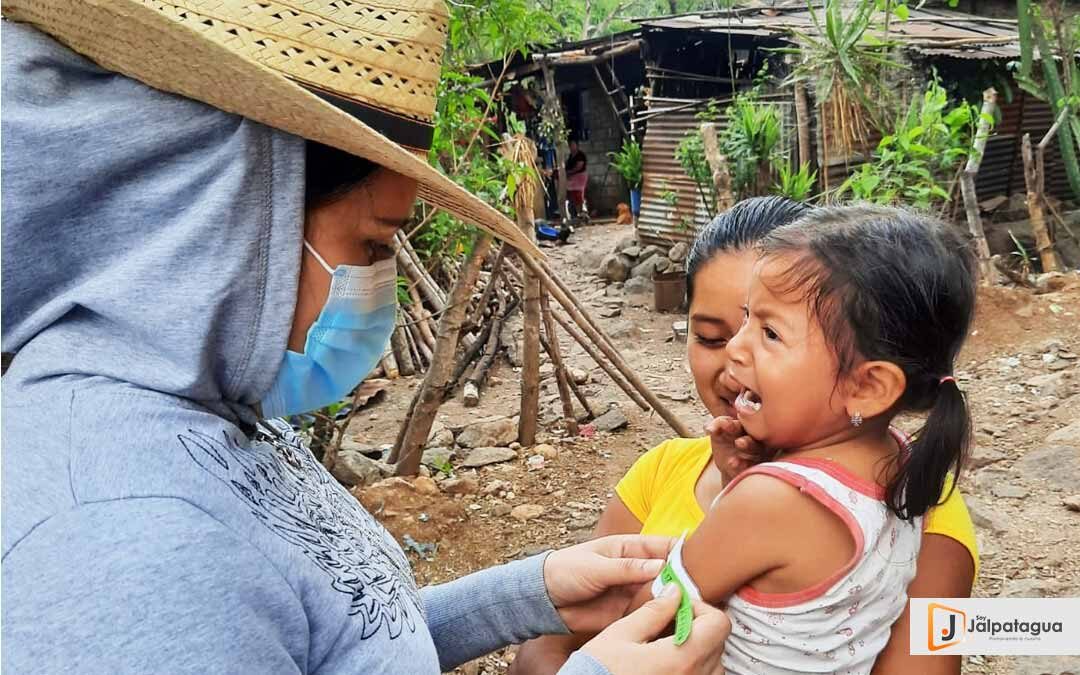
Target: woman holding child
{"type": "Point", "coordinates": [811, 329]}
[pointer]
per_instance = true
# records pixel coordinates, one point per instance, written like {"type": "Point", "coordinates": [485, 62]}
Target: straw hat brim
{"type": "Point", "coordinates": [136, 40]}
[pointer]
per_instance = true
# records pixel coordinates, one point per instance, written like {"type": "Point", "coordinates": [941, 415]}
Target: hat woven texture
{"type": "Point", "coordinates": [358, 76]}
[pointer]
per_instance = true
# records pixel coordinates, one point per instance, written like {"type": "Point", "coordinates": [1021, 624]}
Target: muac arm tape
{"type": "Point", "coordinates": [675, 573]}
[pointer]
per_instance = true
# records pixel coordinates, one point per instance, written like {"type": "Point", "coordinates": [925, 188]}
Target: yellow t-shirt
{"type": "Point", "coordinates": [659, 490]}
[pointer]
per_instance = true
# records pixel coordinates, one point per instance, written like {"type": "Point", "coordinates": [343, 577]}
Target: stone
{"type": "Point", "coordinates": [491, 432]}
{"type": "Point", "coordinates": [612, 420]}
{"type": "Point", "coordinates": [460, 485]}
{"type": "Point", "coordinates": [579, 375]}
{"type": "Point", "coordinates": [986, 518]}
{"type": "Point", "coordinates": [485, 456]}
{"type": "Point", "coordinates": [1051, 384]}
{"type": "Point", "coordinates": [440, 436]}
{"type": "Point", "coordinates": [615, 267]}
{"type": "Point", "coordinates": [535, 462]}
{"type": "Point", "coordinates": [663, 265]}
{"type": "Point", "coordinates": [678, 252]}
{"type": "Point", "coordinates": [1067, 411]}
{"type": "Point", "coordinates": [1009, 491]}
{"type": "Point", "coordinates": [645, 269]}
{"type": "Point", "coordinates": [1058, 465]}
{"type": "Point", "coordinates": [1069, 435]}
{"type": "Point", "coordinates": [438, 458]}
{"type": "Point", "coordinates": [501, 509]}
{"type": "Point", "coordinates": [625, 243]}
{"type": "Point", "coordinates": [1030, 588]}
{"type": "Point", "coordinates": [546, 451]}
{"type": "Point", "coordinates": [1045, 665]}
{"type": "Point", "coordinates": [987, 479]}
{"type": "Point", "coordinates": [610, 312]}
{"type": "Point", "coordinates": [631, 251]}
{"type": "Point", "coordinates": [638, 285]}
{"type": "Point", "coordinates": [590, 258]}
{"type": "Point", "coordinates": [352, 469]}
{"type": "Point", "coordinates": [651, 251]}
{"type": "Point", "coordinates": [349, 444]}
{"type": "Point", "coordinates": [526, 512]}
{"type": "Point", "coordinates": [495, 487]}
{"type": "Point", "coordinates": [1072, 502]}
{"type": "Point", "coordinates": [425, 485]}
{"type": "Point", "coordinates": [982, 457]}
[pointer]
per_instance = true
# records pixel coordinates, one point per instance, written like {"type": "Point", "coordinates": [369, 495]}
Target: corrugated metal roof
{"type": "Point", "coordinates": [926, 31]}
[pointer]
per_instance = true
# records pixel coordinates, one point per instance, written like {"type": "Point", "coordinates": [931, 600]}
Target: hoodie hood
{"type": "Point", "coordinates": [147, 238]}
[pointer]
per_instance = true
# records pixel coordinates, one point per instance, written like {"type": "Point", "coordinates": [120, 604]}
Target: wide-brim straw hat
{"type": "Point", "coordinates": [358, 76]}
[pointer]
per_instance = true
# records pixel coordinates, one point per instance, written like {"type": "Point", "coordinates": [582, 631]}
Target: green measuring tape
{"type": "Point", "coordinates": [684, 617]}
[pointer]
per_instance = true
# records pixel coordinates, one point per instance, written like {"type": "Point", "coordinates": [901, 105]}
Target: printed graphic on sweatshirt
{"type": "Point", "coordinates": [298, 500]}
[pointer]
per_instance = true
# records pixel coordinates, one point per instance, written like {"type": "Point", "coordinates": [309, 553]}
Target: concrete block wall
{"type": "Point", "coordinates": [606, 187]}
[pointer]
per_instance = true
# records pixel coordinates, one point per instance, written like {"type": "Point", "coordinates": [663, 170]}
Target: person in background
{"type": "Point", "coordinates": [577, 178]}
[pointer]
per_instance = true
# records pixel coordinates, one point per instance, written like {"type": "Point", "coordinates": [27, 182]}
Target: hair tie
{"type": "Point", "coordinates": [947, 378]}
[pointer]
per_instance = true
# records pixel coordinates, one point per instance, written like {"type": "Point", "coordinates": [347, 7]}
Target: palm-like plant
{"type": "Point", "coordinates": [846, 65]}
{"type": "Point", "coordinates": [628, 163]}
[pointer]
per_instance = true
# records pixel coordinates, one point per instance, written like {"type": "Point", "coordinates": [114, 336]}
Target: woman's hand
{"type": "Point", "coordinates": [591, 584]}
{"type": "Point", "coordinates": [626, 646]}
{"type": "Point", "coordinates": [734, 449]}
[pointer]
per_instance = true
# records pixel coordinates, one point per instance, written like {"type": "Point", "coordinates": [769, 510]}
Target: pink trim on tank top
{"type": "Point", "coordinates": [774, 600]}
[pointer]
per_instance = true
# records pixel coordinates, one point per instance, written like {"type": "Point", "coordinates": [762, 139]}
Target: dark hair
{"type": "Point", "coordinates": [330, 173]}
{"type": "Point", "coordinates": [889, 285]}
{"type": "Point", "coordinates": [740, 227]}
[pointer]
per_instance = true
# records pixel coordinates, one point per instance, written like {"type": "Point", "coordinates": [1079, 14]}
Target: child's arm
{"type": "Point", "coordinates": [763, 529]}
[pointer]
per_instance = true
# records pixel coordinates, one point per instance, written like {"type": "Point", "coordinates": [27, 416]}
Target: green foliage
{"type": "Point", "coordinates": [1021, 253]}
{"type": "Point", "coordinates": [750, 143]}
{"type": "Point", "coordinates": [913, 164]}
{"type": "Point", "coordinates": [628, 163]}
{"type": "Point", "coordinates": [1034, 27]}
{"type": "Point", "coordinates": [795, 184]}
{"type": "Point", "coordinates": [690, 153]}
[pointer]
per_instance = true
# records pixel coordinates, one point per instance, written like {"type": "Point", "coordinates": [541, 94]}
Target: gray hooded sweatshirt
{"type": "Point", "coordinates": [151, 255]}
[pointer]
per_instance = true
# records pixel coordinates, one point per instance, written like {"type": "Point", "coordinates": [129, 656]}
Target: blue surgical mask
{"type": "Point", "coordinates": [344, 344]}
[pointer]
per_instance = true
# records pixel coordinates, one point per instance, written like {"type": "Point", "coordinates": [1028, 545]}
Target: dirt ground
{"type": "Point", "coordinates": [1019, 369]}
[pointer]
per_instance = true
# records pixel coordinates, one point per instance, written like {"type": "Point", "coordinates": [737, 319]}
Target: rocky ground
{"type": "Point", "coordinates": [486, 500]}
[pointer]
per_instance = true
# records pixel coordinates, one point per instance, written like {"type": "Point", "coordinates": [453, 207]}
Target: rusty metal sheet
{"type": "Point", "coordinates": [663, 223]}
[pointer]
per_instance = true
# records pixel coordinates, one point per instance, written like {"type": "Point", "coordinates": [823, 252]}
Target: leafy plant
{"type": "Point", "coordinates": [750, 143]}
{"type": "Point", "coordinates": [690, 153]}
{"type": "Point", "coordinates": [912, 164]}
{"type": "Point", "coordinates": [795, 184]}
{"type": "Point", "coordinates": [1021, 252]}
{"type": "Point", "coordinates": [846, 65]}
{"type": "Point", "coordinates": [628, 163]}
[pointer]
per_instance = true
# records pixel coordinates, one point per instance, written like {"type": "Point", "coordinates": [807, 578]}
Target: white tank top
{"type": "Point", "coordinates": [840, 624]}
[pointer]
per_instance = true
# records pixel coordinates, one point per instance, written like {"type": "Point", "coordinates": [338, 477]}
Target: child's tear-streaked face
{"type": "Point", "coordinates": [784, 372]}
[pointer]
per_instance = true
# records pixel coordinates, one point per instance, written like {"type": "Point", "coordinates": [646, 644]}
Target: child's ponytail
{"type": "Point", "coordinates": [940, 447]}
{"type": "Point", "coordinates": [890, 285]}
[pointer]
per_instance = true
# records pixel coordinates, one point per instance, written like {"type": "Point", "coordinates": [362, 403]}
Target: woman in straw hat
{"type": "Point", "coordinates": [197, 200]}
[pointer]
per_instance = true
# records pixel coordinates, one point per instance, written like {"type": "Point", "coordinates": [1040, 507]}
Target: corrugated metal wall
{"type": "Point", "coordinates": [663, 223]}
{"type": "Point", "coordinates": [1002, 169]}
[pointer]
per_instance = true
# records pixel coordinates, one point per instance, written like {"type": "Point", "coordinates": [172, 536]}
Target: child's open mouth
{"type": "Point", "coordinates": [747, 403]}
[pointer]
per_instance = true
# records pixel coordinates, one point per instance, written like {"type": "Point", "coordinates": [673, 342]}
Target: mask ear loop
{"type": "Point", "coordinates": [313, 252]}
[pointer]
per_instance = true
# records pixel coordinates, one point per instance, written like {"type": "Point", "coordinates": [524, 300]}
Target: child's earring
{"type": "Point", "coordinates": [856, 420]}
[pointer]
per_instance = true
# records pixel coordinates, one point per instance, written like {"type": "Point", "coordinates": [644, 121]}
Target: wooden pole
{"type": "Point", "coordinates": [433, 389]}
{"type": "Point", "coordinates": [530, 348]}
{"type": "Point", "coordinates": [552, 95]}
{"type": "Point", "coordinates": [721, 172]}
{"type": "Point", "coordinates": [967, 187]}
{"type": "Point", "coordinates": [590, 349]}
{"type": "Point", "coordinates": [561, 376]}
{"type": "Point", "coordinates": [416, 273]}
{"type": "Point", "coordinates": [402, 354]}
{"type": "Point", "coordinates": [572, 308]}
{"type": "Point", "coordinates": [1034, 205]}
{"type": "Point", "coordinates": [1049, 259]}
{"type": "Point", "coordinates": [802, 123]}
